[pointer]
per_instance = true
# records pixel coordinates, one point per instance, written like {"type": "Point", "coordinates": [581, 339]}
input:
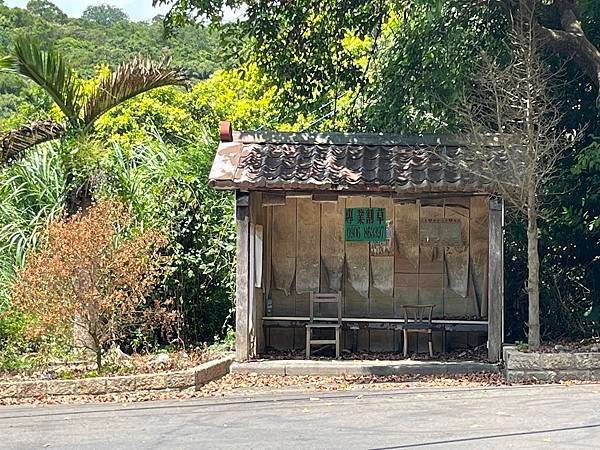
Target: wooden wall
{"type": "Point", "coordinates": [305, 251]}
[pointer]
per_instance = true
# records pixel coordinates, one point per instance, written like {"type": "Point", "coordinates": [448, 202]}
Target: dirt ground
{"type": "Point", "coordinates": [115, 363]}
{"type": "Point", "coordinates": [252, 384]}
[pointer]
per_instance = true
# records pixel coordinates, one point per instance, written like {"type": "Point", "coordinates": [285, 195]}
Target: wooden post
{"type": "Point", "coordinates": [242, 215]}
{"type": "Point", "coordinates": [496, 280]}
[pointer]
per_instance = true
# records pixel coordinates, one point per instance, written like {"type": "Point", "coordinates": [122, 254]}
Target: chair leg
{"type": "Point", "coordinates": [307, 343]}
{"type": "Point", "coordinates": [337, 342]}
{"type": "Point", "coordinates": [430, 335]}
{"type": "Point", "coordinates": [405, 336]}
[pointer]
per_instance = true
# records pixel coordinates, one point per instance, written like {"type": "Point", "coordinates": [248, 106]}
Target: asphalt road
{"type": "Point", "coordinates": [504, 417]}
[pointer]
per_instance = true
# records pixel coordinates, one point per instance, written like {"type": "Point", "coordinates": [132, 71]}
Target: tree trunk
{"type": "Point", "coordinates": [533, 281]}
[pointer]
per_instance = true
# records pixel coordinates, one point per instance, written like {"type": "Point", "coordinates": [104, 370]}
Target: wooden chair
{"type": "Point", "coordinates": [325, 323]}
{"type": "Point", "coordinates": [420, 322]}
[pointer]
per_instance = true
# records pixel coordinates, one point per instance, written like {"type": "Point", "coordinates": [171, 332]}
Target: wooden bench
{"type": "Point", "coordinates": [392, 323]}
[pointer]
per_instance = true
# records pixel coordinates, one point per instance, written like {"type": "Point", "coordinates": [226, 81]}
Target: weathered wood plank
{"type": "Point", "coordinates": [332, 251]}
{"type": "Point", "coordinates": [242, 349]}
{"type": "Point", "coordinates": [406, 237]}
{"type": "Point", "coordinates": [308, 252]}
{"type": "Point", "coordinates": [431, 286]}
{"type": "Point", "coordinates": [479, 235]}
{"type": "Point", "coordinates": [283, 257]}
{"type": "Point", "coordinates": [496, 280]}
{"type": "Point", "coordinates": [381, 340]}
{"type": "Point", "coordinates": [381, 290]}
{"type": "Point", "coordinates": [281, 338]}
{"type": "Point", "coordinates": [332, 246]}
{"type": "Point", "coordinates": [456, 258]}
{"type": "Point", "coordinates": [405, 291]}
{"type": "Point", "coordinates": [430, 256]}
{"type": "Point", "coordinates": [431, 268]}
{"type": "Point", "coordinates": [356, 282]}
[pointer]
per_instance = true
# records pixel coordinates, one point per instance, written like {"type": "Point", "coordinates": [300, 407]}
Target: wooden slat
{"type": "Point", "coordinates": [381, 290]}
{"type": "Point", "coordinates": [356, 285]}
{"type": "Point", "coordinates": [431, 268]}
{"type": "Point", "coordinates": [381, 341]}
{"type": "Point", "coordinates": [456, 269]}
{"type": "Point", "coordinates": [405, 291]}
{"type": "Point", "coordinates": [273, 199]}
{"type": "Point", "coordinates": [256, 308]}
{"type": "Point", "coordinates": [332, 251]}
{"type": "Point", "coordinates": [430, 257]}
{"type": "Point", "coordinates": [478, 230]}
{"type": "Point", "coordinates": [281, 338]}
{"type": "Point", "coordinates": [406, 237]}
{"type": "Point", "coordinates": [332, 246]}
{"type": "Point", "coordinates": [242, 349]}
{"type": "Point", "coordinates": [308, 249]}
{"type": "Point", "coordinates": [283, 257]}
{"type": "Point", "coordinates": [496, 282]}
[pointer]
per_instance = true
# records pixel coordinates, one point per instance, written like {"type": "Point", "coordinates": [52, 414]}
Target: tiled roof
{"type": "Point", "coordinates": [356, 162]}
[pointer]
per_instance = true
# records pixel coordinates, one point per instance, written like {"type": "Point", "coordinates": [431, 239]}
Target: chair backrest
{"type": "Point", "coordinates": [332, 298]}
{"type": "Point", "coordinates": [418, 313]}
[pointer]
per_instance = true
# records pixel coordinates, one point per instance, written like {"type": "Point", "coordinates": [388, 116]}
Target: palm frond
{"type": "Point", "coordinates": [50, 71]}
{"type": "Point", "coordinates": [128, 80]}
{"type": "Point", "coordinates": [15, 142]}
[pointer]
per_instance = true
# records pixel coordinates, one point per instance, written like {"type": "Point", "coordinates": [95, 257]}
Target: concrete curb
{"type": "Point", "coordinates": [550, 367]}
{"type": "Point", "coordinates": [181, 379]}
{"type": "Point", "coordinates": [358, 368]}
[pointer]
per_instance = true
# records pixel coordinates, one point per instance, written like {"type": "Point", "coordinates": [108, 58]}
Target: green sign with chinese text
{"type": "Point", "coordinates": [365, 224]}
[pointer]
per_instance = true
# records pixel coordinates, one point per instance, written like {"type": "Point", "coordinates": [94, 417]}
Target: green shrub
{"type": "Point", "coordinates": [167, 188]}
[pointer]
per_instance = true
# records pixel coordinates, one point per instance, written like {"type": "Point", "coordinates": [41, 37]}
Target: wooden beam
{"type": "Point", "coordinates": [242, 216]}
{"type": "Point", "coordinates": [273, 199]}
{"type": "Point", "coordinates": [495, 280]}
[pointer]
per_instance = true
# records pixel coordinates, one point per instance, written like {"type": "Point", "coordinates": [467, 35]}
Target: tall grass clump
{"type": "Point", "coordinates": [32, 193]}
{"type": "Point", "coordinates": [166, 187]}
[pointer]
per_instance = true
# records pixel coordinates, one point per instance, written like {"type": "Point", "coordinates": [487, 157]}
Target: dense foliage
{"type": "Point", "coordinates": [166, 187]}
{"type": "Point", "coordinates": [338, 65]}
{"type": "Point", "coordinates": [402, 66]}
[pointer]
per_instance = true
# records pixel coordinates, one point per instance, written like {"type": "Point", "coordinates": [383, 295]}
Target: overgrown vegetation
{"type": "Point", "coordinates": [321, 65]}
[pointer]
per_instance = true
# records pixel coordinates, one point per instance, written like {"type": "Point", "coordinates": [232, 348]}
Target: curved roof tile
{"type": "Point", "coordinates": [372, 166]}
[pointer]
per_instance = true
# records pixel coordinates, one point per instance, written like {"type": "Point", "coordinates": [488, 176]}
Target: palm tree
{"type": "Point", "coordinates": [50, 71]}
